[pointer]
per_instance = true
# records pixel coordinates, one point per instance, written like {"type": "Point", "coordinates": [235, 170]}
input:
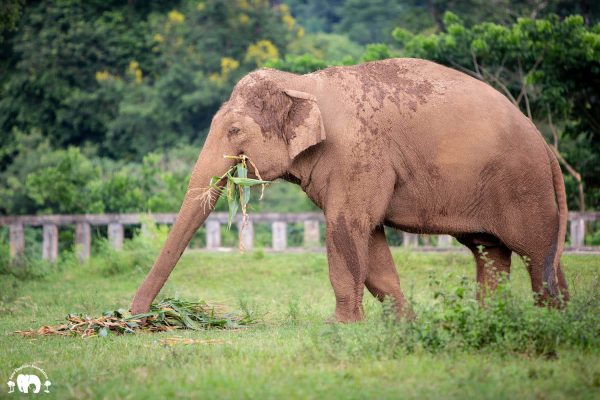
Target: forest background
{"type": "Point", "coordinates": [105, 104]}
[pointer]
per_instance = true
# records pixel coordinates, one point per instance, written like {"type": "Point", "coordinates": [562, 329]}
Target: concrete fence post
{"type": "Point", "coordinates": [83, 241]}
{"type": "Point", "coordinates": [50, 242]}
{"type": "Point", "coordinates": [279, 235]}
{"type": "Point", "coordinates": [144, 229]}
{"type": "Point", "coordinates": [115, 223]}
{"type": "Point", "coordinates": [577, 230]}
{"type": "Point", "coordinates": [410, 239]}
{"type": "Point", "coordinates": [16, 240]}
{"type": "Point", "coordinates": [116, 234]}
{"type": "Point", "coordinates": [213, 234]}
{"type": "Point", "coordinates": [311, 233]}
{"type": "Point", "coordinates": [444, 241]}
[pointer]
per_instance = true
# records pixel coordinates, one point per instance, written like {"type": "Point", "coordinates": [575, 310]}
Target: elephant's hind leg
{"type": "Point", "coordinates": [534, 262]}
{"type": "Point", "coordinates": [535, 245]}
{"type": "Point", "coordinates": [382, 277]}
{"type": "Point", "coordinates": [493, 261]}
{"type": "Point", "coordinates": [562, 284]}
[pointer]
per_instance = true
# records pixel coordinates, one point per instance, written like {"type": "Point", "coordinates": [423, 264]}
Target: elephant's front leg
{"type": "Point", "coordinates": [347, 252]}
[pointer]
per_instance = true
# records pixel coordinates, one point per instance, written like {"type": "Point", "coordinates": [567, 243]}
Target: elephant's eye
{"type": "Point", "coordinates": [234, 130]}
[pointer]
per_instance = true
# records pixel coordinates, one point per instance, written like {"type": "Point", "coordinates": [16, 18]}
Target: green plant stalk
{"type": "Point", "coordinates": [237, 189]}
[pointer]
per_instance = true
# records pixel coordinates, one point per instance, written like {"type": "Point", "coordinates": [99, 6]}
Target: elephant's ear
{"type": "Point", "coordinates": [303, 127]}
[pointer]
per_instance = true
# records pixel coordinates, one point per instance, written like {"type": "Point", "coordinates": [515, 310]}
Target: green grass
{"type": "Point", "coordinates": [292, 353]}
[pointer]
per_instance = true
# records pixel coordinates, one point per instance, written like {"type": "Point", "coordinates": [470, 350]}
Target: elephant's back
{"type": "Point", "coordinates": [420, 103]}
{"type": "Point", "coordinates": [442, 130]}
{"type": "Point", "coordinates": [463, 126]}
{"type": "Point", "coordinates": [408, 86]}
{"type": "Point", "coordinates": [461, 117]}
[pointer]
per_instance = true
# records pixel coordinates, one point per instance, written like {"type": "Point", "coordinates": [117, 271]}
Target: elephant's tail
{"type": "Point", "coordinates": [552, 260]}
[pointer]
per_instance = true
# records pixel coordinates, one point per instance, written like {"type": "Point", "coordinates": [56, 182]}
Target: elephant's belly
{"type": "Point", "coordinates": [435, 213]}
{"type": "Point", "coordinates": [436, 225]}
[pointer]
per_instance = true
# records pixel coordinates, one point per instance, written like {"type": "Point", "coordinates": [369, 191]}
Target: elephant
{"type": "Point", "coordinates": [405, 143]}
{"type": "Point", "coordinates": [26, 380]}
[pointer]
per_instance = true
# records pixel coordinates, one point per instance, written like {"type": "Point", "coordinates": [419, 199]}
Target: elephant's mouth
{"type": "Point", "coordinates": [253, 172]}
{"type": "Point", "coordinates": [291, 178]}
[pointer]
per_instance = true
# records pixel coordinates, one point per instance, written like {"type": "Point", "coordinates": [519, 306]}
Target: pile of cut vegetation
{"type": "Point", "coordinates": [167, 315]}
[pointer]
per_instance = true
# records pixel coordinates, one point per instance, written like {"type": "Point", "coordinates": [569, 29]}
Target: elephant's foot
{"type": "Point", "coordinates": [544, 299]}
{"type": "Point", "coordinates": [349, 307]}
{"type": "Point", "coordinates": [335, 319]}
{"type": "Point", "coordinates": [348, 317]}
{"type": "Point", "coordinates": [405, 313]}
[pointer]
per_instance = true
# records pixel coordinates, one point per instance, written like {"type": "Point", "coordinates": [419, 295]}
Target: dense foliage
{"type": "Point", "coordinates": [132, 78]}
{"type": "Point", "coordinates": [373, 21]}
{"type": "Point", "coordinates": [104, 104]}
{"type": "Point", "coordinates": [455, 321]}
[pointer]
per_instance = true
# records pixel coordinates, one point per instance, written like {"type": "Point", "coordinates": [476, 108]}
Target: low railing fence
{"type": "Point", "coordinates": [311, 221]}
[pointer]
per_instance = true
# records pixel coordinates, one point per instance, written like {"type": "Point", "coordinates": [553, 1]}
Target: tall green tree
{"type": "Point", "coordinates": [10, 12]}
{"type": "Point", "coordinates": [56, 51]}
{"type": "Point", "coordinates": [316, 15]}
{"type": "Point", "coordinates": [130, 76]}
{"type": "Point", "coordinates": [363, 17]}
{"type": "Point", "coordinates": [199, 51]}
{"type": "Point", "coordinates": [368, 21]}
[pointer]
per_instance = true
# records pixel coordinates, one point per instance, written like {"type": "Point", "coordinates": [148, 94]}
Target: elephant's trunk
{"type": "Point", "coordinates": [194, 211]}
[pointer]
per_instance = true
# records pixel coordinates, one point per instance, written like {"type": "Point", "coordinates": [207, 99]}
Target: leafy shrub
{"type": "Point", "coordinates": [28, 266]}
{"type": "Point", "coordinates": [303, 64]}
{"type": "Point", "coordinates": [593, 238]}
{"type": "Point", "coordinates": [42, 180]}
{"type": "Point", "coordinates": [4, 248]}
{"type": "Point", "coordinates": [326, 46]}
{"type": "Point", "coordinates": [376, 51]}
{"type": "Point", "coordinates": [455, 321]}
{"type": "Point", "coordinates": [61, 184]}
{"type": "Point", "coordinates": [138, 254]}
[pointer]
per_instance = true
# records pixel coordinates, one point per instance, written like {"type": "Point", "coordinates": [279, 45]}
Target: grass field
{"type": "Point", "coordinates": [291, 352]}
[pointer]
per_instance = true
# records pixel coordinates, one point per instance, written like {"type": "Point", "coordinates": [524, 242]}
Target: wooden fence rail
{"type": "Point", "coordinates": [115, 226]}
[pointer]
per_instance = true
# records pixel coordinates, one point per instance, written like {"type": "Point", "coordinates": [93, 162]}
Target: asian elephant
{"type": "Point", "coordinates": [405, 143]}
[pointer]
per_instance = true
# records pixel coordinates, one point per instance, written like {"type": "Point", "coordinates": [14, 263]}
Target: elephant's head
{"type": "Point", "coordinates": [264, 120]}
{"type": "Point", "coordinates": [24, 381]}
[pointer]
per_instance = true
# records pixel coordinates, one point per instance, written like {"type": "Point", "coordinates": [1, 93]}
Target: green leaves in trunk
{"type": "Point", "coordinates": [232, 201]}
{"type": "Point", "coordinates": [238, 186]}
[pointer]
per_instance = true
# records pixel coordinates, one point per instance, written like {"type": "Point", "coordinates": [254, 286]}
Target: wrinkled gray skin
{"type": "Point", "coordinates": [405, 143]}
